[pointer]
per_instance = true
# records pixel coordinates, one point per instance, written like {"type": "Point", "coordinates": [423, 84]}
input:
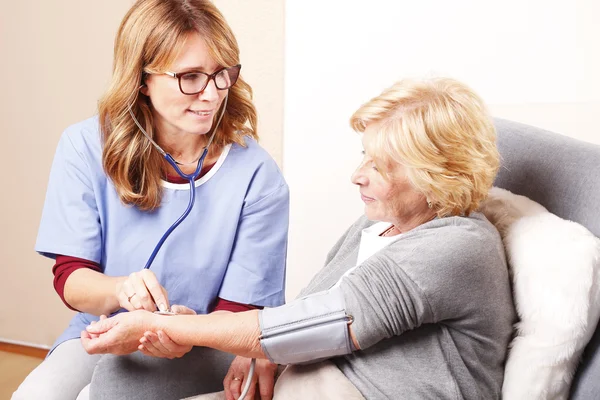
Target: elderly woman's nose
{"type": "Point", "coordinates": [358, 177]}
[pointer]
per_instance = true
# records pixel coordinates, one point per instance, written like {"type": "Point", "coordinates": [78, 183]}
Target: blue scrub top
{"type": "Point", "coordinates": [232, 245]}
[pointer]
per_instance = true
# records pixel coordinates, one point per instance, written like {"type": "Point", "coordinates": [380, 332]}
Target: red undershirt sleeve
{"type": "Point", "coordinates": [226, 305]}
{"type": "Point", "coordinates": [65, 266]}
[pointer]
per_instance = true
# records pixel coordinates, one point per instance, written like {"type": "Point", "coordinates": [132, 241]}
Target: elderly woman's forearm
{"type": "Point", "coordinates": [236, 333]}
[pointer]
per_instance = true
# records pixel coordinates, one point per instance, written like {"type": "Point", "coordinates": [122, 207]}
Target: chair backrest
{"type": "Point", "coordinates": [561, 173]}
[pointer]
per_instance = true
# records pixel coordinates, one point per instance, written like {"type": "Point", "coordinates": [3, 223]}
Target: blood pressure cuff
{"type": "Point", "coordinates": [308, 329]}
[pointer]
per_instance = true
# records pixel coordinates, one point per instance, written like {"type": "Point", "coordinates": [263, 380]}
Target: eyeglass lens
{"type": "Point", "coordinates": [195, 82]}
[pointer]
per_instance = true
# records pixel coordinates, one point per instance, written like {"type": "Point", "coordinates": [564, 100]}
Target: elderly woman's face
{"type": "Point", "coordinates": [390, 199]}
{"type": "Point", "coordinates": [176, 112]}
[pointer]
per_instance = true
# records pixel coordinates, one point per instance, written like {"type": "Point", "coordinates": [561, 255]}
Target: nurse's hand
{"type": "Point", "coordinates": [142, 291]}
{"type": "Point", "coordinates": [159, 344]}
{"type": "Point", "coordinates": [119, 334]}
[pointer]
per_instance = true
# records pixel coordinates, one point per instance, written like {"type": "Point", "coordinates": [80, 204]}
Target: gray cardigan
{"type": "Point", "coordinates": [433, 311]}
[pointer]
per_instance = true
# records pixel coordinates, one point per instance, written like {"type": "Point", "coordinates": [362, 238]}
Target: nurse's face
{"type": "Point", "coordinates": [176, 113]}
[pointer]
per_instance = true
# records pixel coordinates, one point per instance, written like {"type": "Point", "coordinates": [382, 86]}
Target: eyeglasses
{"type": "Point", "coordinates": [196, 82]}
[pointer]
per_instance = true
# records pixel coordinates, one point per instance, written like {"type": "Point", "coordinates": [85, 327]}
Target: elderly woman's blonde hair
{"type": "Point", "coordinates": [441, 132]}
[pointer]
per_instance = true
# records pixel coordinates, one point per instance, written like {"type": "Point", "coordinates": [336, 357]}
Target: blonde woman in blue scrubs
{"type": "Point", "coordinates": [111, 196]}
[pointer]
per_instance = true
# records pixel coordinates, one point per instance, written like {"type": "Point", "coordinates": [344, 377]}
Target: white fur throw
{"type": "Point", "coordinates": [554, 265]}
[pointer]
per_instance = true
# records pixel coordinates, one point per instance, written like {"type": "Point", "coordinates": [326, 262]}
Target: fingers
{"type": "Point", "coordinates": [160, 345]}
{"type": "Point", "coordinates": [90, 344]}
{"type": "Point", "coordinates": [85, 340]}
{"type": "Point", "coordinates": [227, 385]}
{"type": "Point", "coordinates": [144, 351]}
{"type": "Point", "coordinates": [164, 300]}
{"type": "Point", "coordinates": [148, 347]}
{"type": "Point", "coordinates": [252, 388]}
{"type": "Point", "coordinates": [93, 335]}
{"type": "Point", "coordinates": [157, 292]}
{"type": "Point", "coordinates": [142, 298]}
{"type": "Point", "coordinates": [102, 326]}
{"type": "Point", "coordinates": [124, 294]}
{"type": "Point", "coordinates": [236, 377]}
{"type": "Point", "coordinates": [266, 384]}
{"type": "Point", "coordinates": [168, 344]}
{"type": "Point", "coordinates": [236, 389]}
{"type": "Point", "coordinates": [134, 295]}
{"type": "Point", "coordinates": [142, 291]}
{"type": "Point", "coordinates": [158, 342]}
{"type": "Point", "coordinates": [233, 386]}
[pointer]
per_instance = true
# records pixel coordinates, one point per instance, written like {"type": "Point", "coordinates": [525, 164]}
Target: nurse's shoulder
{"type": "Point", "coordinates": [79, 148]}
{"type": "Point", "coordinates": [255, 165]}
{"type": "Point", "coordinates": [85, 138]}
{"type": "Point", "coordinates": [254, 157]}
{"type": "Point", "coordinates": [252, 152]}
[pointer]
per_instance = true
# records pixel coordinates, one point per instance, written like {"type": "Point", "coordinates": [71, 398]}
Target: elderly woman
{"type": "Point", "coordinates": [414, 299]}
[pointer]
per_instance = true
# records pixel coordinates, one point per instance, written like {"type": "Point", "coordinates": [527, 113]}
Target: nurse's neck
{"type": "Point", "coordinates": [184, 147]}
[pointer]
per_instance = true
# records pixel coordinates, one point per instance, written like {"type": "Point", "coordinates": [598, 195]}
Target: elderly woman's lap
{"type": "Point", "coordinates": [137, 376]}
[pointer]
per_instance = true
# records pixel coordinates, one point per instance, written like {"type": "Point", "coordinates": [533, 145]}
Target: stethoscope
{"type": "Point", "coordinates": [191, 179]}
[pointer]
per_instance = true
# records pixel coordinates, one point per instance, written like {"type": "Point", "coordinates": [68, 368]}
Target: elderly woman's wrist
{"type": "Point", "coordinates": [157, 322]}
{"type": "Point", "coordinates": [175, 326]}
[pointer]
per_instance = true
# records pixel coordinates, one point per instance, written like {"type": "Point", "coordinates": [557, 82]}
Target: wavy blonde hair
{"type": "Point", "coordinates": [441, 132]}
{"type": "Point", "coordinates": [148, 41]}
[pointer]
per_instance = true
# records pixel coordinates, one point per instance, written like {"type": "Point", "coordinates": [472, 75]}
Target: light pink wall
{"type": "Point", "coordinates": [56, 60]}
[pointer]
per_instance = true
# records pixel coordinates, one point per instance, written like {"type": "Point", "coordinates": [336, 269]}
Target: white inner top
{"type": "Point", "coordinates": [198, 182]}
{"type": "Point", "coordinates": [371, 243]}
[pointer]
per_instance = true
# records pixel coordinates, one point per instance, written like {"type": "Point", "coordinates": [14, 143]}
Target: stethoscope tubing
{"type": "Point", "coordinates": [191, 179]}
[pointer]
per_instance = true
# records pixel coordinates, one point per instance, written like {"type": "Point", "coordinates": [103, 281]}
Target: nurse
{"type": "Point", "coordinates": [111, 196]}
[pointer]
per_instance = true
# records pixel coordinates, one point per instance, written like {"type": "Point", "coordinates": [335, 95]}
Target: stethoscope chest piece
{"type": "Point", "coordinates": [164, 313]}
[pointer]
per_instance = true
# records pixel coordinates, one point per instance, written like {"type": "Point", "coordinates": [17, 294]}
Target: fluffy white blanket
{"type": "Point", "coordinates": [554, 268]}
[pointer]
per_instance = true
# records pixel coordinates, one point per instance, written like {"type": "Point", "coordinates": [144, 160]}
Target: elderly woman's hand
{"type": "Point", "coordinates": [119, 334]}
{"type": "Point", "coordinates": [159, 344]}
{"type": "Point", "coordinates": [264, 376]}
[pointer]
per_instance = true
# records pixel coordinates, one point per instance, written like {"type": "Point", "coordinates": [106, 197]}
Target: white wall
{"type": "Point", "coordinates": [533, 61]}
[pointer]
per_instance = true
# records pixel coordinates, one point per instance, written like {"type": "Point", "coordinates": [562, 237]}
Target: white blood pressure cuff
{"type": "Point", "coordinates": [307, 329]}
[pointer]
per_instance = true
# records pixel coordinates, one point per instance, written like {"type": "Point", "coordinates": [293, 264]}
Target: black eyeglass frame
{"type": "Point", "coordinates": [212, 76]}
